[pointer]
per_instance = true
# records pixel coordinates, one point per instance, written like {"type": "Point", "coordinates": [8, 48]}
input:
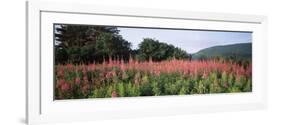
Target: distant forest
{"type": "Point", "coordinates": [86, 44]}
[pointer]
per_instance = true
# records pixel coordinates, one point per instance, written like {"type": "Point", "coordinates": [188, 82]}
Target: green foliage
{"type": "Point", "coordinates": [224, 77]}
{"type": "Point", "coordinates": [109, 91]}
{"type": "Point", "coordinates": [121, 90]}
{"type": "Point", "coordinates": [146, 90]}
{"type": "Point", "coordinates": [156, 90]}
{"type": "Point", "coordinates": [183, 91]}
{"type": "Point", "coordinates": [158, 51]}
{"type": "Point", "coordinates": [247, 87]}
{"type": "Point", "coordinates": [61, 55]}
{"type": "Point", "coordinates": [234, 89]}
{"type": "Point", "coordinates": [87, 44]}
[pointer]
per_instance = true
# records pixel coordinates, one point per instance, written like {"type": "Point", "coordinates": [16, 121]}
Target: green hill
{"type": "Point", "coordinates": [240, 50]}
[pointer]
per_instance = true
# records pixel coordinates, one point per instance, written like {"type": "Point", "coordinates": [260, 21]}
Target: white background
{"type": "Point", "coordinates": [12, 63]}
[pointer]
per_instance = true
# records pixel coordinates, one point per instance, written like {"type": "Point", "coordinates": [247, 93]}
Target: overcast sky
{"type": "Point", "coordinates": [189, 40]}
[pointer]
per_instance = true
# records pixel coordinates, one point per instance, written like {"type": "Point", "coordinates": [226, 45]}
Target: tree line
{"type": "Point", "coordinates": [93, 44]}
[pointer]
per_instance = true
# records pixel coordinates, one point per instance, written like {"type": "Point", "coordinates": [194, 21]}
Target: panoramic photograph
{"type": "Point", "coordinates": [92, 61]}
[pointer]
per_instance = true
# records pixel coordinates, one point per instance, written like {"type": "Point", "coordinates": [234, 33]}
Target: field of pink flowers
{"type": "Point", "coordinates": [116, 78]}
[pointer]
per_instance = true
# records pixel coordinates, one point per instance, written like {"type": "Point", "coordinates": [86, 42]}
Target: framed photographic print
{"type": "Point", "coordinates": [92, 62]}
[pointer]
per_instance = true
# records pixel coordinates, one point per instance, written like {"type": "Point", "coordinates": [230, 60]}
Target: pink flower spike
{"type": "Point", "coordinates": [92, 67]}
{"type": "Point", "coordinates": [65, 87]}
{"type": "Point", "coordinates": [77, 80]}
{"type": "Point", "coordinates": [225, 85]}
{"type": "Point", "coordinates": [70, 67]}
{"type": "Point", "coordinates": [114, 94]}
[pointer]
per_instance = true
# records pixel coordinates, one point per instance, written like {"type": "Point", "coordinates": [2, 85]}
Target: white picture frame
{"type": "Point", "coordinates": [42, 108]}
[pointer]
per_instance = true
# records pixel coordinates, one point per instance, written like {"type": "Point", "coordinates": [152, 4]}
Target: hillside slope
{"type": "Point", "coordinates": [241, 50]}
